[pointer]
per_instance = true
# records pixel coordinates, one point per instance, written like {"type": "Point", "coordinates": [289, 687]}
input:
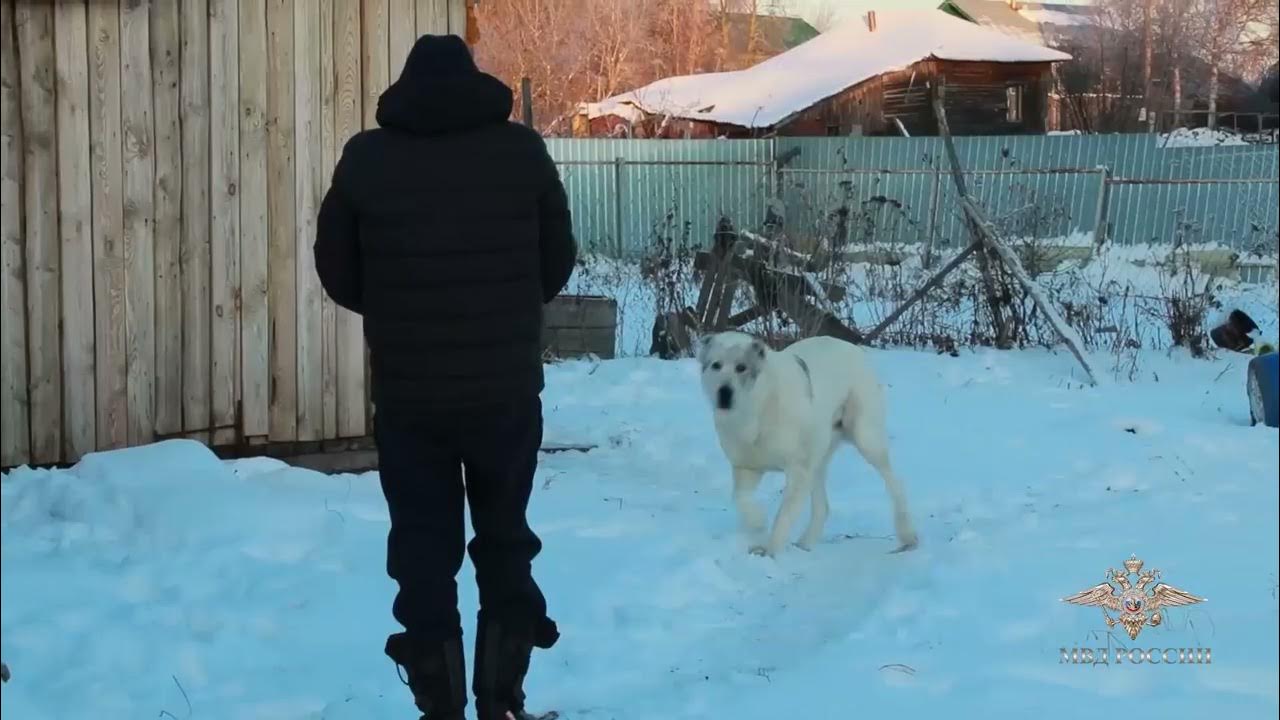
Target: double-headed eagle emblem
{"type": "Point", "coordinates": [1134, 604]}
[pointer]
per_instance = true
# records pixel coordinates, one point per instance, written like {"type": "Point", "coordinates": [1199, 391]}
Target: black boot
{"type": "Point", "coordinates": [502, 661]}
{"type": "Point", "coordinates": [437, 675]}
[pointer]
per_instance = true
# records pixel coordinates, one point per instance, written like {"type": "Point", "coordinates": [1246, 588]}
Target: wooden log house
{"type": "Point", "coordinates": [874, 75]}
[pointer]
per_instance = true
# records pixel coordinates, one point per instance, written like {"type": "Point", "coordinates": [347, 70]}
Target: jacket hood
{"type": "Point", "coordinates": [440, 90]}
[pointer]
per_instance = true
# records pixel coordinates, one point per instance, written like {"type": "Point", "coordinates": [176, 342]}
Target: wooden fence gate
{"type": "Point", "coordinates": [163, 163]}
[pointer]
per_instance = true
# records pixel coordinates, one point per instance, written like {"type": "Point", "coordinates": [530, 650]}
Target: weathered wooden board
{"type": "Point", "coordinates": [580, 311]}
{"type": "Point", "coordinates": [376, 75]}
{"type": "Point", "coordinates": [75, 229]}
{"type": "Point", "coordinates": [577, 325]}
{"type": "Point", "coordinates": [108, 226]}
{"type": "Point", "coordinates": [255, 318]}
{"type": "Point", "coordinates": [433, 17]}
{"type": "Point", "coordinates": [15, 429]}
{"type": "Point", "coordinates": [138, 156]}
{"type": "Point", "coordinates": [34, 26]}
{"type": "Point", "coordinates": [281, 220]}
{"type": "Point", "coordinates": [308, 157]}
{"type": "Point", "coordinates": [376, 48]}
{"type": "Point", "coordinates": [195, 260]}
{"type": "Point", "coordinates": [402, 25]}
{"type": "Point", "coordinates": [458, 18]}
{"type": "Point", "coordinates": [328, 157]}
{"type": "Point", "coordinates": [165, 77]}
{"type": "Point", "coordinates": [348, 120]}
{"type": "Point", "coordinates": [576, 342]}
{"type": "Point", "coordinates": [224, 202]}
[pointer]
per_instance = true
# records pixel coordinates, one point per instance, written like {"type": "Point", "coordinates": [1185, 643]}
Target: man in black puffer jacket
{"type": "Point", "coordinates": [448, 228]}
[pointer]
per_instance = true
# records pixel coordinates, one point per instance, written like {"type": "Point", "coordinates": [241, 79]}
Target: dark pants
{"type": "Point", "coordinates": [422, 462]}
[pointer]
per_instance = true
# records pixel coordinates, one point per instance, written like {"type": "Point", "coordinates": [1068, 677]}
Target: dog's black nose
{"type": "Point", "coordinates": [724, 398]}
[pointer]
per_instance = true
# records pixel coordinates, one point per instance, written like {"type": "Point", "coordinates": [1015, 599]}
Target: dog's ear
{"type": "Point", "coordinates": [702, 346]}
{"type": "Point", "coordinates": [1242, 321]}
{"type": "Point", "coordinates": [759, 347]}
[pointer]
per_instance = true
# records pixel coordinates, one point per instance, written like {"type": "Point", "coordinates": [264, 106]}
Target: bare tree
{"type": "Point", "coordinates": [1100, 81]}
{"type": "Point", "coordinates": [683, 36]}
{"type": "Point", "coordinates": [1147, 29]}
{"type": "Point", "coordinates": [1207, 36]}
{"type": "Point", "coordinates": [824, 16]}
{"type": "Point", "coordinates": [617, 43]}
{"type": "Point", "coordinates": [1173, 32]}
{"type": "Point", "coordinates": [533, 39]}
{"type": "Point", "coordinates": [576, 51]}
{"type": "Point", "coordinates": [1261, 46]}
{"type": "Point", "coordinates": [1226, 30]}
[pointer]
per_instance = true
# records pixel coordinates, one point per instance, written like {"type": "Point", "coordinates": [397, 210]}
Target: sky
{"type": "Point", "coordinates": [844, 9]}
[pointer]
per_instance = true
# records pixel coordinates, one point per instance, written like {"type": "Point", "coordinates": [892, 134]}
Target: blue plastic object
{"type": "Point", "coordinates": [1263, 390]}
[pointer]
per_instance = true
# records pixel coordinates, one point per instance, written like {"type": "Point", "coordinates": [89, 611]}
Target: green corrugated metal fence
{"type": "Point", "coordinates": [626, 194]}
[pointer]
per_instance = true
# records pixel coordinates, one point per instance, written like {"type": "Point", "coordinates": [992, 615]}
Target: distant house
{"type": "Point", "coordinates": [750, 39]}
{"type": "Point", "coordinates": [1045, 23]}
{"type": "Point", "coordinates": [874, 75]}
{"type": "Point", "coordinates": [1054, 25]}
{"type": "Point", "coordinates": [1075, 29]}
{"type": "Point", "coordinates": [1270, 86]}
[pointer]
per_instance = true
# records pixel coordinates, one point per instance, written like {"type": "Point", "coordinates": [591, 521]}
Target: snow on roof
{"type": "Point", "coordinates": [677, 96]}
{"type": "Point", "coordinates": [770, 92]}
{"type": "Point", "coordinates": [611, 106]}
{"type": "Point", "coordinates": [1058, 14]}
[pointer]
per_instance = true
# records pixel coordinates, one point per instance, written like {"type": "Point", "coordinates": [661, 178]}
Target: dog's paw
{"type": "Point", "coordinates": [809, 540]}
{"type": "Point", "coordinates": [905, 530]}
{"type": "Point", "coordinates": [760, 551]}
{"type": "Point", "coordinates": [906, 547]}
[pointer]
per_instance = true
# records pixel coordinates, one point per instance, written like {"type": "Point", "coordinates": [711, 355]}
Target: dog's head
{"type": "Point", "coordinates": [731, 363]}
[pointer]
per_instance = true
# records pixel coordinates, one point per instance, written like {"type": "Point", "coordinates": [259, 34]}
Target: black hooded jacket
{"type": "Point", "coordinates": [447, 228]}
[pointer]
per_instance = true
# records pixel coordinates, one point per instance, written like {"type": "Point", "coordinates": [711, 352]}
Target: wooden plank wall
{"type": "Point", "coordinates": [163, 162]}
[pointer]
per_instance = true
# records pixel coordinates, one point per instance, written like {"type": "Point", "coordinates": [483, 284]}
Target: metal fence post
{"type": "Point", "coordinates": [618, 162]}
{"type": "Point", "coordinates": [1100, 216]}
{"type": "Point", "coordinates": [934, 202]}
{"type": "Point", "coordinates": [773, 170]}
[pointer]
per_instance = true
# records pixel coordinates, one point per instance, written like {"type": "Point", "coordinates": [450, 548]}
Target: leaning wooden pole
{"type": "Point", "coordinates": [526, 101]}
{"type": "Point", "coordinates": [923, 290]}
{"type": "Point", "coordinates": [999, 324]}
{"type": "Point", "coordinates": [990, 238]}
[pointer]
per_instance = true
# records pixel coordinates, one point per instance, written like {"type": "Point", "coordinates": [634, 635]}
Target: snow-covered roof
{"type": "Point", "coordinates": [1059, 14]}
{"type": "Point", "coordinates": [678, 96]}
{"type": "Point", "coordinates": [772, 91]}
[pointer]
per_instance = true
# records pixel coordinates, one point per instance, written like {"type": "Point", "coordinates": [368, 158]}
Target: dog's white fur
{"type": "Point", "coordinates": [789, 411]}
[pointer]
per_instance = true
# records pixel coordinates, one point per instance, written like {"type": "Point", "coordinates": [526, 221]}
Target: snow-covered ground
{"type": "Point", "coordinates": [1200, 137]}
{"type": "Point", "coordinates": [162, 582]}
{"type": "Point", "coordinates": [1126, 288]}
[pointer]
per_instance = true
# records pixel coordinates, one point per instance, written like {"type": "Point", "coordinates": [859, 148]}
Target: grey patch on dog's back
{"type": "Point", "coordinates": [808, 380]}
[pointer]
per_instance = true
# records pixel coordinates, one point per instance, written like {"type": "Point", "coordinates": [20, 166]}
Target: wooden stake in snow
{"type": "Point", "coordinates": [991, 240]}
{"type": "Point", "coordinates": [1014, 266]}
{"type": "Point", "coordinates": [923, 290]}
{"type": "Point", "coordinates": [986, 240]}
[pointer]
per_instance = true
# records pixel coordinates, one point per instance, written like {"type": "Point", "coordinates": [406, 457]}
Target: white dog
{"type": "Point", "coordinates": [789, 411]}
